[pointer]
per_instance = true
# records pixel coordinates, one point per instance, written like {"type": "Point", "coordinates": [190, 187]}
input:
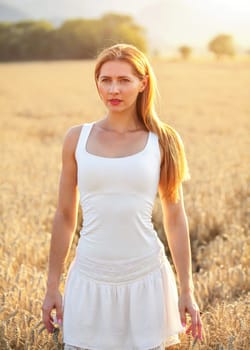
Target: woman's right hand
{"type": "Point", "coordinates": [52, 300]}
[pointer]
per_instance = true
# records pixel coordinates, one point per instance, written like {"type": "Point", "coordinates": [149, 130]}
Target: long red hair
{"type": "Point", "coordinates": [174, 168]}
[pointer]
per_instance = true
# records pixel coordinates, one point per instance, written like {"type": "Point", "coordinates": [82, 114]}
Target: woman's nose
{"type": "Point", "coordinates": [113, 88]}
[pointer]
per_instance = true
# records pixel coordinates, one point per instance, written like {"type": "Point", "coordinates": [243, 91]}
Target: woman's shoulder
{"type": "Point", "coordinates": [73, 133]}
{"type": "Point", "coordinates": [70, 139]}
{"type": "Point", "coordinates": [72, 136]}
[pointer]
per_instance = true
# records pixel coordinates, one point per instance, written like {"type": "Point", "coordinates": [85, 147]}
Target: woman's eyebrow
{"type": "Point", "coordinates": [118, 77]}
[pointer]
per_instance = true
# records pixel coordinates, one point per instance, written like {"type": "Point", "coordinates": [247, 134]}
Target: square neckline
{"type": "Point", "coordinates": [115, 158]}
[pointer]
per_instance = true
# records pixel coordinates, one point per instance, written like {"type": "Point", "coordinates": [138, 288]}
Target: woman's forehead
{"type": "Point", "coordinates": [116, 68]}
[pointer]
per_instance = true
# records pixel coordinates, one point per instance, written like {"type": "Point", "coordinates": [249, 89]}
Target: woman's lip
{"type": "Point", "coordinates": [115, 101]}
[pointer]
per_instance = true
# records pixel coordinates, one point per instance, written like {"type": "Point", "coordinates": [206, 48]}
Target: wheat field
{"type": "Point", "coordinates": [208, 103]}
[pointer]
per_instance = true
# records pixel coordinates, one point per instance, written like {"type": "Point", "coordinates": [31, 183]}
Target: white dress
{"type": "Point", "coordinates": [120, 292]}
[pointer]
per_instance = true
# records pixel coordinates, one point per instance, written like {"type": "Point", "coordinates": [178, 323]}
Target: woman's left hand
{"type": "Point", "coordinates": [187, 304]}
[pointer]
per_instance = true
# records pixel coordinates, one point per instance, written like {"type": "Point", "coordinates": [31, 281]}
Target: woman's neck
{"type": "Point", "coordinates": [122, 123]}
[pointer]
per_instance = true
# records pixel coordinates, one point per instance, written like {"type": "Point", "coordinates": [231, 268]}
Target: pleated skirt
{"type": "Point", "coordinates": [121, 305]}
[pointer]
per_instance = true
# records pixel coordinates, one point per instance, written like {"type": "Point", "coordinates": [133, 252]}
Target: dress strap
{"type": "Point", "coordinates": [81, 144]}
{"type": "Point", "coordinates": [155, 145]}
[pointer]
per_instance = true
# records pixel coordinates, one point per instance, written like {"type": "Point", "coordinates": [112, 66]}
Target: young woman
{"type": "Point", "coordinates": [120, 292]}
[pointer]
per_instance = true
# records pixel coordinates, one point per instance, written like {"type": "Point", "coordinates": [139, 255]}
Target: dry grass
{"type": "Point", "coordinates": [208, 104]}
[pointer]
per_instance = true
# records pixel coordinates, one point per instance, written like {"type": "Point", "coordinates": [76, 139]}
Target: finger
{"type": "Point", "coordinates": [182, 315]}
{"type": "Point", "coordinates": [59, 313]}
{"type": "Point", "coordinates": [47, 319]}
{"type": "Point", "coordinates": [194, 322]}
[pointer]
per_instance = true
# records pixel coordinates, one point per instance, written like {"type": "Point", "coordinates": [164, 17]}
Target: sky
{"type": "Point", "coordinates": [228, 15]}
{"type": "Point", "coordinates": [197, 21]}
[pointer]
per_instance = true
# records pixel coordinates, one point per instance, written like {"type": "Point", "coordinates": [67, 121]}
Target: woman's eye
{"type": "Point", "coordinates": [120, 81]}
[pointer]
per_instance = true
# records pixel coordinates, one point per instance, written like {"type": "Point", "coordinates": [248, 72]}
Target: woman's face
{"type": "Point", "coordinates": [118, 86]}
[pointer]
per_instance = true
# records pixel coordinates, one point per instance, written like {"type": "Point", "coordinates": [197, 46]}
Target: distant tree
{"type": "Point", "coordinates": [156, 52]}
{"type": "Point", "coordinates": [74, 39]}
{"type": "Point", "coordinates": [77, 39]}
{"type": "Point", "coordinates": [35, 39]}
{"type": "Point", "coordinates": [24, 40]}
{"type": "Point", "coordinates": [222, 45]}
{"type": "Point", "coordinates": [118, 28]}
{"type": "Point", "coordinates": [185, 51]}
{"type": "Point", "coordinates": [5, 28]}
{"type": "Point", "coordinates": [83, 38]}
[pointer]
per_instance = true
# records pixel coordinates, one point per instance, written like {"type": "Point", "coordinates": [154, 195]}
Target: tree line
{"type": "Point", "coordinates": [221, 45]}
{"type": "Point", "coordinates": [74, 39]}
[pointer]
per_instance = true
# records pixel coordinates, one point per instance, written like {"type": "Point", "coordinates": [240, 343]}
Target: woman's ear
{"type": "Point", "coordinates": [144, 83]}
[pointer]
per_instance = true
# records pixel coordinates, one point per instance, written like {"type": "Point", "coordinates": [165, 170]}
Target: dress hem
{"type": "Point", "coordinates": [163, 344]}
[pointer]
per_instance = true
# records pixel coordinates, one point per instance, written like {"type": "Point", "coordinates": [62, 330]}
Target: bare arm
{"type": "Point", "coordinates": [176, 228]}
{"type": "Point", "coordinates": [63, 228]}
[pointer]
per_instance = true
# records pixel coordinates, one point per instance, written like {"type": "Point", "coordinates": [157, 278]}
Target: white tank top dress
{"type": "Point", "coordinates": [120, 291]}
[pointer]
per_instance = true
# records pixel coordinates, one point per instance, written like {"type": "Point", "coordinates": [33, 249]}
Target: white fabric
{"type": "Point", "coordinates": [171, 341]}
{"type": "Point", "coordinates": [120, 291]}
{"type": "Point", "coordinates": [70, 347]}
{"type": "Point", "coordinates": [117, 196]}
{"type": "Point", "coordinates": [161, 347]}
